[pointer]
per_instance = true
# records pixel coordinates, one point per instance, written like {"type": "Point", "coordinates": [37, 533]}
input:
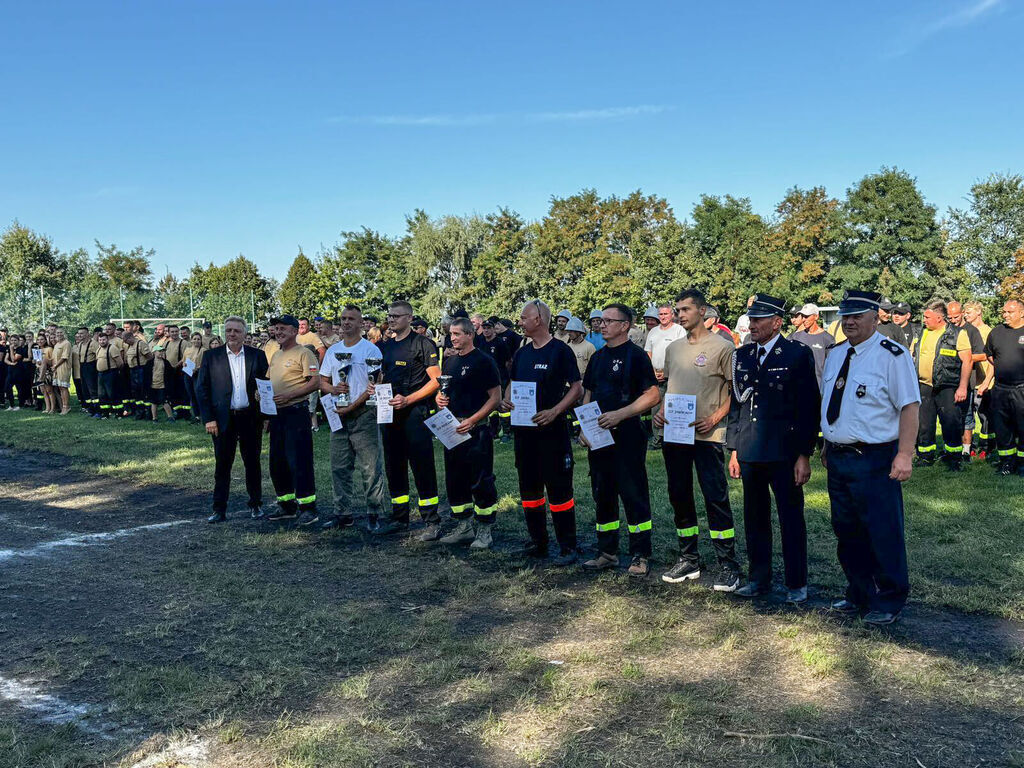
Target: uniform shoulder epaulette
{"type": "Point", "coordinates": [892, 346]}
{"type": "Point", "coordinates": [835, 344]}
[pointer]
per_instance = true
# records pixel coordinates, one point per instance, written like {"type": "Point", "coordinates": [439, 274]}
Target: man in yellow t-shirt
{"type": "Point", "coordinates": [294, 372]}
{"type": "Point", "coordinates": [943, 360]}
{"type": "Point", "coordinates": [700, 364]}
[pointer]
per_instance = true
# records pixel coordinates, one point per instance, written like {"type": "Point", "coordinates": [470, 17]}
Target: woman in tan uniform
{"type": "Point", "coordinates": [61, 362]}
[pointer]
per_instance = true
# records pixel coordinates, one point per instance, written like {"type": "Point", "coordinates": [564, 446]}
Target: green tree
{"type": "Point", "coordinates": [896, 242]}
{"type": "Point", "coordinates": [440, 264]}
{"type": "Point", "coordinates": [365, 268]}
{"type": "Point", "coordinates": [985, 236]}
{"type": "Point", "coordinates": [293, 296]}
{"type": "Point", "coordinates": [30, 262]}
{"type": "Point", "coordinates": [234, 288]}
{"type": "Point", "coordinates": [804, 242]}
{"type": "Point", "coordinates": [128, 270]}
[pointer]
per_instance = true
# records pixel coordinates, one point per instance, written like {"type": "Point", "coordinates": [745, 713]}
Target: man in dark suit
{"type": "Point", "coordinates": [226, 391]}
{"type": "Point", "coordinates": [773, 427]}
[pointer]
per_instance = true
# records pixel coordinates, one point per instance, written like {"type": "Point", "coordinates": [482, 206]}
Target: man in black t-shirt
{"type": "Point", "coordinates": [544, 452]}
{"type": "Point", "coordinates": [471, 389]}
{"type": "Point", "coordinates": [1005, 351]}
{"type": "Point", "coordinates": [409, 365]}
{"type": "Point", "coordinates": [621, 380]}
{"type": "Point", "coordinates": [494, 347]}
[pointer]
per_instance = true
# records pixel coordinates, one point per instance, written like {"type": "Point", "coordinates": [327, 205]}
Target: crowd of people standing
{"type": "Point", "coordinates": [866, 393]}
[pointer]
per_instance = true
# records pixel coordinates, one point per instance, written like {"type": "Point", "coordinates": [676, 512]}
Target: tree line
{"type": "Point", "coordinates": [586, 251]}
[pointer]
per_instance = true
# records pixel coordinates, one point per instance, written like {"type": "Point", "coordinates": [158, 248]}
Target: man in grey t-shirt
{"type": "Point", "coordinates": [814, 336]}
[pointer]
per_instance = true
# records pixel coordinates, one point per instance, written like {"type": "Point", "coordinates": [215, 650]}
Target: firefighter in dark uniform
{"type": "Point", "coordinates": [1005, 351]}
{"type": "Point", "coordinates": [471, 389]}
{"type": "Point", "coordinates": [87, 348]}
{"type": "Point", "coordinates": [869, 412]}
{"type": "Point", "coordinates": [773, 427]}
{"type": "Point", "coordinates": [620, 379]}
{"type": "Point", "coordinates": [410, 365]}
{"type": "Point", "coordinates": [942, 357]}
{"type": "Point", "coordinates": [544, 459]}
{"type": "Point", "coordinates": [495, 348]}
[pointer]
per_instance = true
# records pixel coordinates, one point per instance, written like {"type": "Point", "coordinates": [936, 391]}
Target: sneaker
{"type": "Point", "coordinates": [431, 533]}
{"type": "Point", "coordinates": [683, 570]}
{"type": "Point", "coordinates": [880, 618]}
{"type": "Point", "coordinates": [752, 590]}
{"type": "Point", "coordinates": [533, 548]}
{"type": "Point", "coordinates": [845, 607]}
{"type": "Point", "coordinates": [796, 596]}
{"type": "Point", "coordinates": [727, 579]}
{"type": "Point", "coordinates": [1004, 468]}
{"type": "Point", "coordinates": [483, 539]}
{"type": "Point", "coordinates": [601, 562]}
{"type": "Point", "coordinates": [308, 517]}
{"type": "Point", "coordinates": [921, 461]}
{"type": "Point", "coordinates": [463, 533]}
{"type": "Point", "coordinates": [373, 523]}
{"type": "Point", "coordinates": [565, 558]}
{"type": "Point", "coordinates": [393, 527]}
{"type": "Point", "coordinates": [639, 567]}
{"type": "Point", "coordinates": [217, 517]}
{"type": "Point", "coordinates": [338, 521]}
{"type": "Point", "coordinates": [257, 513]}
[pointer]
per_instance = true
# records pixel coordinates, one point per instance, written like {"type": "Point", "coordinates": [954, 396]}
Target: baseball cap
{"type": "Point", "coordinates": [808, 309]}
{"type": "Point", "coordinates": [285, 320]}
{"type": "Point", "coordinates": [901, 308]}
{"type": "Point", "coordinates": [418, 322]}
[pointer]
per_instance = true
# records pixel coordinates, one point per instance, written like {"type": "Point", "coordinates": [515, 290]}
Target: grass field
{"type": "Point", "coordinates": [246, 645]}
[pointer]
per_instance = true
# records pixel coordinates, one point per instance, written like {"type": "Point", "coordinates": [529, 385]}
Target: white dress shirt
{"type": "Point", "coordinates": [239, 397]}
{"type": "Point", "coordinates": [767, 347]}
{"type": "Point", "coordinates": [878, 385]}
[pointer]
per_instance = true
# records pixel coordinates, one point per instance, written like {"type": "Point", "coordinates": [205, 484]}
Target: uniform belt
{"type": "Point", "coordinates": [858, 447]}
{"type": "Point", "coordinates": [241, 410]}
{"type": "Point", "coordinates": [286, 408]}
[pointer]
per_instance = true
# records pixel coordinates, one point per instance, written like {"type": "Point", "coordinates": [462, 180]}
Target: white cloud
{"type": "Point", "coordinates": [962, 17]}
{"type": "Point", "coordinates": [467, 120]}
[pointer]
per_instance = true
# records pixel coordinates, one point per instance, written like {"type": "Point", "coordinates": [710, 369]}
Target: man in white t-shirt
{"type": "Point", "coordinates": [358, 440]}
{"type": "Point", "coordinates": [658, 339]}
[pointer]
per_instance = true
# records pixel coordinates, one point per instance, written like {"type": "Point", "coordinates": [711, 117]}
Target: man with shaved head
{"type": "Point", "coordinates": [957, 317]}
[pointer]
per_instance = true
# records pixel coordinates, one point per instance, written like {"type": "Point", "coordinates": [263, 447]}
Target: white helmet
{"type": "Point", "coordinates": [575, 324]}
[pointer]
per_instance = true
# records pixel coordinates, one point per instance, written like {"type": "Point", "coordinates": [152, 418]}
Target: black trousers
{"type": "Point", "coordinates": [619, 471]}
{"type": "Point", "coordinates": [544, 462]}
{"type": "Point", "coordinates": [138, 394]}
{"type": "Point", "coordinates": [3, 383]}
{"type": "Point", "coordinates": [867, 517]}
{"type": "Point", "coordinates": [90, 385]}
{"type": "Point", "coordinates": [190, 394]}
{"type": "Point", "coordinates": [986, 432]}
{"type": "Point", "coordinates": [409, 444]}
{"type": "Point", "coordinates": [14, 380]}
{"type": "Point", "coordinates": [469, 476]}
{"type": "Point", "coordinates": [762, 480]}
{"type": "Point", "coordinates": [244, 432]}
{"type": "Point", "coordinates": [1008, 420]}
{"type": "Point", "coordinates": [708, 459]}
{"type": "Point", "coordinates": [940, 403]}
{"type": "Point", "coordinates": [107, 394]}
{"type": "Point", "coordinates": [291, 457]}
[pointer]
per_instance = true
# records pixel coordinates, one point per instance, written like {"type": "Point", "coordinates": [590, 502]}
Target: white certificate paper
{"type": "Point", "coordinates": [385, 412]}
{"type": "Point", "coordinates": [330, 403]}
{"type": "Point", "coordinates": [596, 435]}
{"type": "Point", "coordinates": [680, 413]}
{"type": "Point", "coordinates": [37, 355]}
{"type": "Point", "coordinates": [266, 392]}
{"type": "Point", "coordinates": [443, 425]}
{"type": "Point", "coordinates": [189, 367]}
{"type": "Point", "coordinates": [524, 398]}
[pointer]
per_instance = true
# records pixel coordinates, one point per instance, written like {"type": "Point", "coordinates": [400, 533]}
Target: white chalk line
{"type": "Point", "coordinates": [83, 540]}
{"type": "Point", "coordinates": [47, 708]}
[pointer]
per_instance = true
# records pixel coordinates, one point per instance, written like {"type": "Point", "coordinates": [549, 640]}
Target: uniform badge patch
{"type": "Point", "coordinates": [840, 382]}
{"type": "Point", "coordinates": [862, 390]}
{"type": "Point", "coordinates": [615, 366]}
{"type": "Point", "coordinates": [701, 360]}
{"type": "Point", "coordinates": [1020, 339]}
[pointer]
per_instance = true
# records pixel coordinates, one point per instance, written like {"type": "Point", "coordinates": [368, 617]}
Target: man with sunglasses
{"type": "Point", "coordinates": [410, 366]}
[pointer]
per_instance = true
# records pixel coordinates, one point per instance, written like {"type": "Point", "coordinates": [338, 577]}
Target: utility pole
{"type": "Point", "coordinates": [191, 308]}
{"type": "Point", "coordinates": [120, 293]}
{"type": "Point", "coordinates": [252, 304]}
{"type": "Point", "coordinates": [42, 307]}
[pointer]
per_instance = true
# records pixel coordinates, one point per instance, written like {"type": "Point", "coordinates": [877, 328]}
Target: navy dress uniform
{"type": "Point", "coordinates": [773, 420]}
{"type": "Point", "coordinates": [865, 389]}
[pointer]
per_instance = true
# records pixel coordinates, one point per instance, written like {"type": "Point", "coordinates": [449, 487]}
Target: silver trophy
{"type": "Point", "coordinates": [373, 370]}
{"type": "Point", "coordinates": [445, 383]}
{"type": "Point", "coordinates": [344, 369]}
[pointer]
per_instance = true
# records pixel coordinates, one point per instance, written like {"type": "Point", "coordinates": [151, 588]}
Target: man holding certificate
{"type": "Point", "coordinates": [410, 368]}
{"type": "Point", "coordinates": [545, 384]}
{"type": "Point", "coordinates": [698, 371]}
{"type": "Point", "coordinates": [470, 388]}
{"type": "Point", "coordinates": [620, 380]}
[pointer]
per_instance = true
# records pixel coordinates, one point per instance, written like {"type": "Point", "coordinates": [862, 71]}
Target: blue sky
{"type": "Point", "coordinates": [208, 129]}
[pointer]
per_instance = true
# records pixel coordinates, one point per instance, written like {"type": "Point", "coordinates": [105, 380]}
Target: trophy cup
{"type": "Point", "coordinates": [344, 368]}
{"type": "Point", "coordinates": [445, 383]}
{"type": "Point", "coordinates": [373, 369]}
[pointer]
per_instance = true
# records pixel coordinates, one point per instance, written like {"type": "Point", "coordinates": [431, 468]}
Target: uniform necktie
{"type": "Point", "coordinates": [761, 352]}
{"type": "Point", "coordinates": [835, 402]}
